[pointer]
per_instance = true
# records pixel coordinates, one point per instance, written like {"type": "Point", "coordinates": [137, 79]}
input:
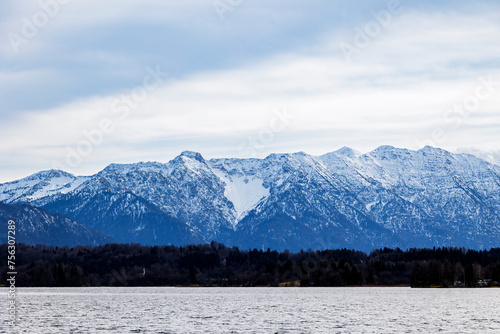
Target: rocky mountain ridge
{"type": "Point", "coordinates": [390, 197]}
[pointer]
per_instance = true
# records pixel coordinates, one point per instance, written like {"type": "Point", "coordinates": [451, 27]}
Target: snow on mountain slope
{"type": "Point", "coordinates": [39, 185]}
{"type": "Point", "coordinates": [244, 192]}
{"type": "Point", "coordinates": [184, 190]}
{"type": "Point", "coordinates": [249, 181]}
{"type": "Point", "coordinates": [417, 191]}
{"type": "Point", "coordinates": [123, 169]}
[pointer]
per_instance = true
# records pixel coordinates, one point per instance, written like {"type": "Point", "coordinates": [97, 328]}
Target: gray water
{"type": "Point", "coordinates": [254, 310]}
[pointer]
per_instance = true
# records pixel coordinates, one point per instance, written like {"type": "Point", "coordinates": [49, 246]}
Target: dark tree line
{"type": "Point", "coordinates": [217, 265]}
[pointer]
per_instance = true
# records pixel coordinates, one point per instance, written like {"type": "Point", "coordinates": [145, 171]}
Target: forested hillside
{"type": "Point", "coordinates": [216, 265]}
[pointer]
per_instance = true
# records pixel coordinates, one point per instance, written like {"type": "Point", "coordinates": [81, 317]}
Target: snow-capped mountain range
{"type": "Point", "coordinates": [389, 197]}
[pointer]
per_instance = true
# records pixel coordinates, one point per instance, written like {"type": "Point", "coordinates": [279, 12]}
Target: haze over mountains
{"type": "Point", "coordinates": [389, 197]}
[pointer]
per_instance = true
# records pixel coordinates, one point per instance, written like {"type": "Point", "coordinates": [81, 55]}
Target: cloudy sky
{"type": "Point", "coordinates": [87, 83]}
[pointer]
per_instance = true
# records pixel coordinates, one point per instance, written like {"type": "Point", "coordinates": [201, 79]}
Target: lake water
{"type": "Point", "coordinates": [254, 310]}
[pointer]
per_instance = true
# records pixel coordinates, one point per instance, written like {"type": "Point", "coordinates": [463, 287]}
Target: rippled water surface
{"type": "Point", "coordinates": [254, 310]}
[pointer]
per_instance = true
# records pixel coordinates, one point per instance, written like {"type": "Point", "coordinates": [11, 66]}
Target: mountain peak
{"type": "Point", "coordinates": [434, 151]}
{"type": "Point", "coordinates": [348, 152]}
{"type": "Point", "coordinates": [193, 155]}
{"type": "Point", "coordinates": [52, 173]}
{"type": "Point", "coordinates": [427, 148]}
{"type": "Point", "coordinates": [384, 148]}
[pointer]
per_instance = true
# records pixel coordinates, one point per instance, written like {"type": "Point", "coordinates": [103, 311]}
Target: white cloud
{"type": "Point", "coordinates": [396, 92]}
{"type": "Point", "coordinates": [492, 156]}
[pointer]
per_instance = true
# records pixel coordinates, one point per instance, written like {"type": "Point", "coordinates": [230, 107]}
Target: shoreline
{"type": "Point", "coordinates": [246, 287]}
